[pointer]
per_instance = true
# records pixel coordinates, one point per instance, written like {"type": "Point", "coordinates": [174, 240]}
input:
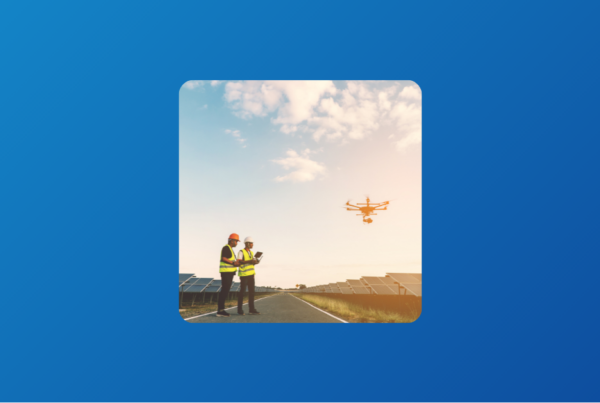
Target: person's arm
{"type": "Point", "coordinates": [231, 260]}
{"type": "Point", "coordinates": [242, 260]}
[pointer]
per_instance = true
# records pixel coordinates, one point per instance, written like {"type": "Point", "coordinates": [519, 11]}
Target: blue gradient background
{"type": "Point", "coordinates": [89, 162]}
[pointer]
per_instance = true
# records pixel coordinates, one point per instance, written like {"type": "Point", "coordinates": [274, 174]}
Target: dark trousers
{"type": "Point", "coordinates": [246, 281]}
{"type": "Point", "coordinates": [226, 280]}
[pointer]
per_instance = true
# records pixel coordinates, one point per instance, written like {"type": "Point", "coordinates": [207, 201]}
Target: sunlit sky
{"type": "Point", "coordinates": [277, 160]}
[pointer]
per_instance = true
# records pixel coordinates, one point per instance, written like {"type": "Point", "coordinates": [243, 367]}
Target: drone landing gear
{"type": "Point", "coordinates": [368, 220]}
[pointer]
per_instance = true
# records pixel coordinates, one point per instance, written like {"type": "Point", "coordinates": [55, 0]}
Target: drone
{"type": "Point", "coordinates": [368, 209]}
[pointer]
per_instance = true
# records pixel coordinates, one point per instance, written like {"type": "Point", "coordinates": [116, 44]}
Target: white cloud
{"type": "Point", "coordinates": [384, 103]}
{"type": "Point", "coordinates": [253, 98]}
{"type": "Point", "coordinates": [214, 83]}
{"type": "Point", "coordinates": [287, 129]}
{"type": "Point", "coordinates": [303, 97]}
{"type": "Point", "coordinates": [408, 140]}
{"type": "Point", "coordinates": [303, 168]}
{"type": "Point", "coordinates": [407, 118]}
{"type": "Point", "coordinates": [238, 136]}
{"type": "Point", "coordinates": [190, 85]}
{"type": "Point", "coordinates": [329, 113]}
{"type": "Point", "coordinates": [412, 92]}
{"type": "Point", "coordinates": [294, 100]}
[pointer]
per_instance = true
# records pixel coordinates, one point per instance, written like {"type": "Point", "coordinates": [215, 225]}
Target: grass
{"type": "Point", "coordinates": [355, 313]}
{"type": "Point", "coordinates": [211, 307]}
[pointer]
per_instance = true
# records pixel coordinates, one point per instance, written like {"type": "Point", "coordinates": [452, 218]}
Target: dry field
{"type": "Point", "coordinates": [357, 314]}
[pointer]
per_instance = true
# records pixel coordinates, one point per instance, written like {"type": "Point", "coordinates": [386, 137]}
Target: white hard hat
{"type": "Point", "coordinates": [248, 239]}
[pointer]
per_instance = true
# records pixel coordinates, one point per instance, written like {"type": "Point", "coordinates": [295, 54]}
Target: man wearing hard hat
{"type": "Point", "coordinates": [227, 269]}
{"type": "Point", "coordinates": [246, 273]}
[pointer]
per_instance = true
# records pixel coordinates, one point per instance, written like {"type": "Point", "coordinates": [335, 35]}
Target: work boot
{"type": "Point", "coordinates": [223, 313]}
{"type": "Point", "coordinates": [240, 312]}
{"type": "Point", "coordinates": [254, 312]}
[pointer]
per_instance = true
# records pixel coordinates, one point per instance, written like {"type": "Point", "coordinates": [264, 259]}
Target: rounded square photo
{"type": "Point", "coordinates": [300, 201]}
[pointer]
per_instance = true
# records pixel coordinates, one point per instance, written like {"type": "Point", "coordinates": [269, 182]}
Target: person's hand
{"type": "Point", "coordinates": [255, 261]}
{"type": "Point", "coordinates": [236, 263]}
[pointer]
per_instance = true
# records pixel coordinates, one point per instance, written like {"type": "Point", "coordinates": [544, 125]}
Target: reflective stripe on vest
{"type": "Point", "coordinates": [226, 267]}
{"type": "Point", "coordinates": [246, 269]}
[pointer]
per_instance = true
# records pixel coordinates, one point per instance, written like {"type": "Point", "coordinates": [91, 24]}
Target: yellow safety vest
{"type": "Point", "coordinates": [246, 269]}
{"type": "Point", "coordinates": [226, 267]}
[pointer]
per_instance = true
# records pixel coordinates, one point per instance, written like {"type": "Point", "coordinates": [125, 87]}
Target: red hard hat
{"type": "Point", "coordinates": [234, 236]}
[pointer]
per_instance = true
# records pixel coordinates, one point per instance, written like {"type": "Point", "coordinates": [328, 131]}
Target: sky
{"type": "Point", "coordinates": [278, 160]}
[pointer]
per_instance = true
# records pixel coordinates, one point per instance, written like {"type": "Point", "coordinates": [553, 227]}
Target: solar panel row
{"type": "Point", "coordinates": [184, 277]}
{"type": "Point", "coordinates": [391, 284]}
{"type": "Point", "coordinates": [189, 283]}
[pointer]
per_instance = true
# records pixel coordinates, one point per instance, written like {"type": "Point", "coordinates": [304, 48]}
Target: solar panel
{"type": "Point", "coordinates": [191, 282]}
{"type": "Point", "coordinates": [346, 290]}
{"type": "Point", "coordinates": [382, 289]}
{"type": "Point", "coordinates": [413, 289]}
{"type": "Point", "coordinates": [204, 281]}
{"type": "Point", "coordinates": [404, 278]}
{"type": "Point", "coordinates": [372, 280]}
{"type": "Point", "coordinates": [342, 284]}
{"type": "Point", "coordinates": [397, 288]}
{"type": "Point", "coordinates": [353, 283]}
{"type": "Point", "coordinates": [195, 288]}
{"type": "Point", "coordinates": [216, 282]}
{"type": "Point", "coordinates": [417, 276]}
{"type": "Point", "coordinates": [184, 277]}
{"type": "Point", "coordinates": [361, 290]}
{"type": "Point", "coordinates": [387, 280]}
{"type": "Point", "coordinates": [213, 288]}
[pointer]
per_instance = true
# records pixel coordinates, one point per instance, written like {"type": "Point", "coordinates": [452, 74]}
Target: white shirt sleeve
{"type": "Point", "coordinates": [240, 255]}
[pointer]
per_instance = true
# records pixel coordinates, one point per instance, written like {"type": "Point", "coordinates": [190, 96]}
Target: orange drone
{"type": "Point", "coordinates": [367, 209]}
